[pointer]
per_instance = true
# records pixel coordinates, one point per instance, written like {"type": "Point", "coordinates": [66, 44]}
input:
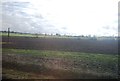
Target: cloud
{"type": "Point", "coordinates": [60, 16]}
{"type": "Point", "coordinates": [15, 16]}
{"type": "Point", "coordinates": [106, 27]}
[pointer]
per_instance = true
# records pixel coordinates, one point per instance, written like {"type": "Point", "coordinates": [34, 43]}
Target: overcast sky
{"type": "Point", "coordinates": [74, 17]}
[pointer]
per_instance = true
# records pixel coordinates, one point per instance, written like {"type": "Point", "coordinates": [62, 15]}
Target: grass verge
{"type": "Point", "coordinates": [63, 54]}
{"type": "Point", "coordinates": [88, 62]}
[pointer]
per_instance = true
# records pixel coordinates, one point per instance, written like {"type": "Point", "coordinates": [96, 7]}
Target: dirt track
{"type": "Point", "coordinates": [62, 44]}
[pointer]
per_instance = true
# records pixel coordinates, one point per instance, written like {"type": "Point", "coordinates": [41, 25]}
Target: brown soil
{"type": "Point", "coordinates": [62, 44]}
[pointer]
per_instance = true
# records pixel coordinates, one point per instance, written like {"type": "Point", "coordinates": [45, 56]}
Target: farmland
{"type": "Point", "coordinates": [63, 44]}
{"type": "Point", "coordinates": [56, 58]}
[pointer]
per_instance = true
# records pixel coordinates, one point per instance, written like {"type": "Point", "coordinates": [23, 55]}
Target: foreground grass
{"type": "Point", "coordinates": [90, 63]}
{"type": "Point", "coordinates": [62, 54]}
{"type": "Point", "coordinates": [16, 74]}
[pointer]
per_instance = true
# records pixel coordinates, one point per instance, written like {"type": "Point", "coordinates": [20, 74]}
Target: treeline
{"type": "Point", "coordinates": [59, 35]}
{"type": "Point", "coordinates": [14, 32]}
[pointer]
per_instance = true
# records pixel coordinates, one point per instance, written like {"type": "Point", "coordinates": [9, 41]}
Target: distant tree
{"type": "Point", "coordinates": [45, 34]}
{"type": "Point", "coordinates": [4, 31]}
{"type": "Point", "coordinates": [82, 35]}
{"type": "Point", "coordinates": [36, 35]}
{"type": "Point", "coordinates": [89, 36]}
{"type": "Point", "coordinates": [12, 32]}
{"type": "Point", "coordinates": [58, 34]}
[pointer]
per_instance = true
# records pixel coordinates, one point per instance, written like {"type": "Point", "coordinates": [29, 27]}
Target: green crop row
{"type": "Point", "coordinates": [63, 54]}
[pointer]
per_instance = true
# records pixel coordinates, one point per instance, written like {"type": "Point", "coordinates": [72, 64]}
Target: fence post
{"type": "Point", "coordinates": [8, 34]}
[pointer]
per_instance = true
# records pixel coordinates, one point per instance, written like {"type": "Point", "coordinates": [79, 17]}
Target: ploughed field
{"type": "Point", "coordinates": [59, 58]}
{"type": "Point", "coordinates": [63, 44]}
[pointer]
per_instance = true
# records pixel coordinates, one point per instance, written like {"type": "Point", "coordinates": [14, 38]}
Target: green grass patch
{"type": "Point", "coordinates": [33, 35]}
{"type": "Point", "coordinates": [5, 42]}
{"type": "Point", "coordinates": [13, 34]}
{"type": "Point", "coordinates": [69, 55]}
{"type": "Point", "coordinates": [99, 63]}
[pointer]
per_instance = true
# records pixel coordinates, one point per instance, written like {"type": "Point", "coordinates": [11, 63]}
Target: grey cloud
{"type": "Point", "coordinates": [13, 7]}
{"type": "Point", "coordinates": [106, 27]}
{"type": "Point", "coordinates": [15, 17]}
{"type": "Point", "coordinates": [64, 28]}
{"type": "Point", "coordinates": [109, 29]}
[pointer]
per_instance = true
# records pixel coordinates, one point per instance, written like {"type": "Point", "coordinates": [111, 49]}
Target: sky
{"type": "Point", "coordinates": [71, 17]}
